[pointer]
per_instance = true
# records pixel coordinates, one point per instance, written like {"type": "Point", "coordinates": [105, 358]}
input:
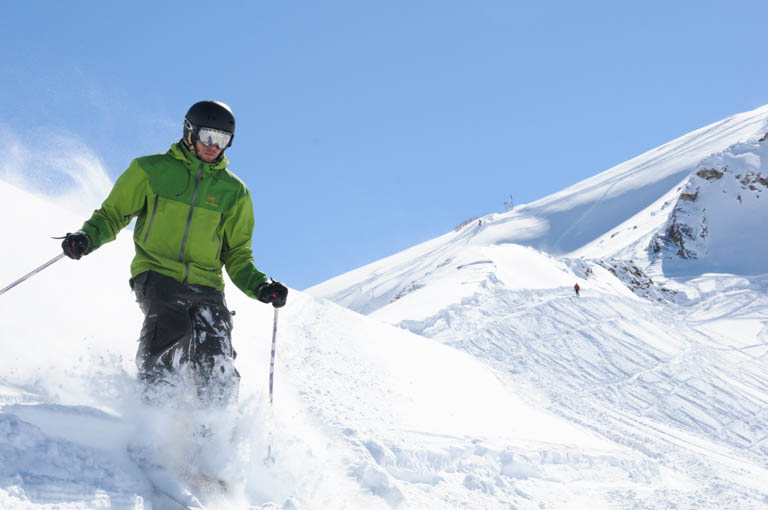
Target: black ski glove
{"type": "Point", "coordinates": [273, 292]}
{"type": "Point", "coordinates": [76, 245]}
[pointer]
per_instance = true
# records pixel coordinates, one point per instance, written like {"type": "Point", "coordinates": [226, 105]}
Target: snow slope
{"type": "Point", "coordinates": [665, 350]}
{"type": "Point", "coordinates": [366, 415]}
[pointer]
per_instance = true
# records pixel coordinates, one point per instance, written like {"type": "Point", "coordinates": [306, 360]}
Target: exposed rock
{"type": "Point", "coordinates": [676, 235]}
{"type": "Point", "coordinates": [710, 174]}
{"type": "Point", "coordinates": [636, 280]}
{"type": "Point", "coordinates": [689, 197]}
{"type": "Point", "coordinates": [749, 180]}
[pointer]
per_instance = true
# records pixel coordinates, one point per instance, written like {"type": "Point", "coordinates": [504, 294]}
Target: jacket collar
{"type": "Point", "coordinates": [179, 151]}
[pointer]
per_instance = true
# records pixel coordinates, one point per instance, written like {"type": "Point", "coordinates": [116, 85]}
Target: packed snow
{"type": "Point", "coordinates": [462, 373]}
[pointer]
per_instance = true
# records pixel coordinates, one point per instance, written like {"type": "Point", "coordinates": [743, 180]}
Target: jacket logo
{"type": "Point", "coordinates": [211, 201]}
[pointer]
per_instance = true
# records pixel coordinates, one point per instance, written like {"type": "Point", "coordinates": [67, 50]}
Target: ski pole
{"type": "Point", "coordinates": [272, 358]}
{"type": "Point", "coordinates": [26, 277]}
{"type": "Point", "coordinates": [270, 458]}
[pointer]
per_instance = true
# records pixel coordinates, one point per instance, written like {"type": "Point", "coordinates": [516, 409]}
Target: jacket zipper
{"type": "Point", "coordinates": [151, 218]}
{"type": "Point", "coordinates": [218, 251]}
{"type": "Point", "coordinates": [189, 222]}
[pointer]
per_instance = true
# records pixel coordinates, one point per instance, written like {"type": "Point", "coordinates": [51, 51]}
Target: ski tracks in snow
{"type": "Point", "coordinates": [638, 373]}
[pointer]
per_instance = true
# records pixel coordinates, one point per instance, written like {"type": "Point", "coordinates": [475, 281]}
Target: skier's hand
{"type": "Point", "coordinates": [273, 292]}
{"type": "Point", "coordinates": [76, 245]}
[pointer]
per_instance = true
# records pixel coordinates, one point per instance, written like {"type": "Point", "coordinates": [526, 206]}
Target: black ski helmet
{"type": "Point", "coordinates": [210, 114]}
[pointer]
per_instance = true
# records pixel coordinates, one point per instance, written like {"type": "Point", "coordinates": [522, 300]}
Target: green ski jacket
{"type": "Point", "coordinates": [193, 218]}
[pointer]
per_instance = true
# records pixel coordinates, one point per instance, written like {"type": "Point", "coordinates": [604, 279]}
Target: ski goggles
{"type": "Point", "coordinates": [210, 136]}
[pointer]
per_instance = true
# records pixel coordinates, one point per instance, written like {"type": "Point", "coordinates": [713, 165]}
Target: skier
{"type": "Point", "coordinates": [576, 289]}
{"type": "Point", "coordinates": [193, 217]}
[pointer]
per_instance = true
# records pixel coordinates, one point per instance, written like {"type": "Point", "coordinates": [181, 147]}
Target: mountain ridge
{"type": "Point", "coordinates": [670, 329]}
{"type": "Point", "coordinates": [547, 222]}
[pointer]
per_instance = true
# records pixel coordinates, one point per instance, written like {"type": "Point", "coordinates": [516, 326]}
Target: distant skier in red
{"type": "Point", "coordinates": [576, 289]}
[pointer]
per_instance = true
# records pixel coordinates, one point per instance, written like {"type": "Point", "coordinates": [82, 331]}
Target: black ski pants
{"type": "Point", "coordinates": [186, 337]}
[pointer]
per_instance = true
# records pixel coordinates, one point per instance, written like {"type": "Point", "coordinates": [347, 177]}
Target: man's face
{"type": "Point", "coordinates": [207, 153]}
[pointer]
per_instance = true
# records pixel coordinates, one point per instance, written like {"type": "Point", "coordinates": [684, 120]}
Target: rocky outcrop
{"type": "Point", "coordinates": [682, 234]}
{"type": "Point", "coordinates": [636, 280]}
{"type": "Point", "coordinates": [687, 229]}
{"type": "Point", "coordinates": [710, 174]}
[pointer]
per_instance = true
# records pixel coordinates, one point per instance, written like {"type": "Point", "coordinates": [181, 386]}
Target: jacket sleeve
{"type": "Point", "coordinates": [237, 254]}
{"type": "Point", "coordinates": [126, 200]}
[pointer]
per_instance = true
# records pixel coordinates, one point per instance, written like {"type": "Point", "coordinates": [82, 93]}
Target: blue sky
{"type": "Point", "coordinates": [367, 127]}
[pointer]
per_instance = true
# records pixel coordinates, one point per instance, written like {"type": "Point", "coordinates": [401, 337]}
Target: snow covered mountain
{"type": "Point", "coordinates": [618, 214]}
{"type": "Point", "coordinates": [670, 333]}
{"type": "Point", "coordinates": [461, 373]}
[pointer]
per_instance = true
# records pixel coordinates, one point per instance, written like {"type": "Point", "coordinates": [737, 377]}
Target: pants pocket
{"type": "Point", "coordinates": [138, 285]}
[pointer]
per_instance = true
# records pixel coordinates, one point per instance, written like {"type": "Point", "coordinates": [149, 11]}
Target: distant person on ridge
{"type": "Point", "coordinates": [576, 289]}
{"type": "Point", "coordinates": [193, 217]}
